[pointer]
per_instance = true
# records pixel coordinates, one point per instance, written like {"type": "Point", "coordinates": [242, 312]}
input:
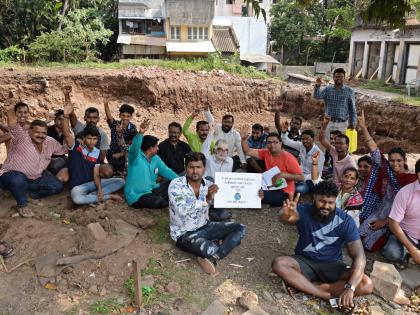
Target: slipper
{"type": "Point", "coordinates": [29, 213]}
{"type": "Point", "coordinates": [349, 311]}
{"type": "Point", "coordinates": [8, 250]}
{"type": "Point", "coordinates": [206, 265]}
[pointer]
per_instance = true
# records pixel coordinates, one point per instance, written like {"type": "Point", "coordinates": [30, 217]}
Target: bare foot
{"type": "Point", "coordinates": [115, 197]}
{"type": "Point", "coordinates": [25, 212]}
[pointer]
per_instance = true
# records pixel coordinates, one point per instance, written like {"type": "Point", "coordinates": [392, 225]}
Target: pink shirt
{"type": "Point", "coordinates": [340, 165]}
{"type": "Point", "coordinates": [406, 210]}
{"type": "Point", "coordinates": [23, 156]}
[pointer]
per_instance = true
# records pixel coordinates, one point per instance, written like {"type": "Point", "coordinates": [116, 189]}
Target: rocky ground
{"type": "Point", "coordinates": [32, 283]}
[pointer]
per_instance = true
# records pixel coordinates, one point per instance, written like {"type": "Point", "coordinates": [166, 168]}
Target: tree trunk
{"type": "Point", "coordinates": [299, 47]}
{"type": "Point", "coordinates": [63, 13]}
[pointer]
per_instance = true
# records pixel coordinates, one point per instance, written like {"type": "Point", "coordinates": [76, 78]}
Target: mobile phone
{"type": "Point", "coordinates": [334, 302]}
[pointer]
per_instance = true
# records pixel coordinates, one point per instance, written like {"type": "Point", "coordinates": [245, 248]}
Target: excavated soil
{"type": "Point", "coordinates": [164, 96]}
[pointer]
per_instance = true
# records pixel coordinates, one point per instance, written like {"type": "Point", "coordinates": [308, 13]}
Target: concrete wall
{"type": "Point", "coordinates": [190, 12]}
{"type": "Point", "coordinates": [374, 56]}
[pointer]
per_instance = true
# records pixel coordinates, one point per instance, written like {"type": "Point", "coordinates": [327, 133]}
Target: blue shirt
{"type": "Point", "coordinates": [324, 241]}
{"type": "Point", "coordinates": [81, 164]}
{"type": "Point", "coordinates": [339, 104]}
{"type": "Point", "coordinates": [261, 143]}
{"type": "Point", "coordinates": [114, 147]}
{"type": "Point", "coordinates": [142, 173]}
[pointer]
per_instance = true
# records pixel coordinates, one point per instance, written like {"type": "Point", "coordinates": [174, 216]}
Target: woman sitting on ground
{"type": "Point", "coordinates": [364, 165]}
{"type": "Point", "coordinates": [386, 178]}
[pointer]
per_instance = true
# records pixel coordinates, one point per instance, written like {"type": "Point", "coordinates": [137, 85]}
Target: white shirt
{"type": "Point", "coordinates": [212, 164]}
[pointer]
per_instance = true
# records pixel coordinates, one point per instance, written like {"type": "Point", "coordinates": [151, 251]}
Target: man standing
{"type": "Point", "coordinates": [86, 186]}
{"type": "Point", "coordinates": [190, 197]}
{"type": "Point", "coordinates": [226, 132]}
{"type": "Point", "coordinates": [196, 139]}
{"type": "Point", "coordinates": [29, 154]}
{"type": "Point", "coordinates": [307, 148]}
{"type": "Point", "coordinates": [257, 140]}
{"type": "Point", "coordinates": [340, 103]}
{"type": "Point", "coordinates": [115, 156]}
{"type": "Point", "coordinates": [340, 155]}
{"type": "Point", "coordinates": [172, 150]}
{"type": "Point", "coordinates": [144, 166]}
{"type": "Point", "coordinates": [275, 156]}
{"type": "Point", "coordinates": [404, 223]}
{"type": "Point", "coordinates": [323, 231]}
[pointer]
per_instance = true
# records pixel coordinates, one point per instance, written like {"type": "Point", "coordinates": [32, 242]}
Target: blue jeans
{"type": "Point", "coordinates": [20, 186]}
{"type": "Point", "coordinates": [204, 241]}
{"type": "Point", "coordinates": [87, 193]}
{"type": "Point", "coordinates": [394, 250]}
{"type": "Point", "coordinates": [305, 187]}
{"type": "Point", "coordinates": [274, 198]}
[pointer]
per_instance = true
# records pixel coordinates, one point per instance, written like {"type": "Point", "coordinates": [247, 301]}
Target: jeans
{"type": "Point", "coordinates": [204, 242]}
{"type": "Point", "coordinates": [274, 198]}
{"type": "Point", "coordinates": [57, 164]}
{"type": "Point", "coordinates": [394, 251]}
{"type": "Point", "coordinates": [305, 187]}
{"type": "Point", "coordinates": [20, 186]}
{"type": "Point", "coordinates": [87, 193]}
{"type": "Point", "coordinates": [157, 199]}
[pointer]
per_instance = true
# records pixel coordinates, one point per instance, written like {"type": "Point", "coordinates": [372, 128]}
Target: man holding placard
{"type": "Point", "coordinates": [282, 168]}
{"type": "Point", "coordinates": [189, 202]}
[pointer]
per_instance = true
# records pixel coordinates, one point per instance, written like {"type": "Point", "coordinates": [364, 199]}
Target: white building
{"type": "Point", "coordinates": [385, 54]}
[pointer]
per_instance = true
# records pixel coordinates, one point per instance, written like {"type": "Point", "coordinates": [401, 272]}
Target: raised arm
{"type": "Point", "coordinates": [321, 136]}
{"type": "Point", "coordinates": [370, 143]}
{"type": "Point", "coordinates": [318, 94]}
{"type": "Point", "coordinates": [289, 213]}
{"type": "Point", "coordinates": [186, 127]}
{"type": "Point", "coordinates": [206, 147]}
{"type": "Point", "coordinates": [68, 137]}
{"type": "Point", "coordinates": [108, 114]}
{"type": "Point", "coordinates": [352, 111]}
{"type": "Point", "coordinates": [277, 121]}
{"type": "Point", "coordinates": [315, 165]}
{"type": "Point", "coordinates": [208, 115]}
{"type": "Point", "coordinates": [73, 118]}
{"type": "Point", "coordinates": [11, 117]}
{"type": "Point", "coordinates": [244, 143]}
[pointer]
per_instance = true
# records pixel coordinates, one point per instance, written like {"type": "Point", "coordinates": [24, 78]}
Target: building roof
{"type": "Point", "coordinates": [258, 58]}
{"type": "Point", "coordinates": [190, 47]}
{"type": "Point", "coordinates": [128, 39]}
{"type": "Point", "coordinates": [190, 12]}
{"type": "Point", "coordinates": [152, 9]}
{"type": "Point", "coordinates": [224, 39]}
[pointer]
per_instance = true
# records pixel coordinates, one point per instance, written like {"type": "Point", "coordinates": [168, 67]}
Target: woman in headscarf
{"type": "Point", "coordinates": [386, 178]}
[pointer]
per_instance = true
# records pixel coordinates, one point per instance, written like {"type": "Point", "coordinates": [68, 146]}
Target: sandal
{"type": "Point", "coordinates": [350, 310]}
{"type": "Point", "coordinates": [23, 214]}
{"type": "Point", "coordinates": [8, 250]}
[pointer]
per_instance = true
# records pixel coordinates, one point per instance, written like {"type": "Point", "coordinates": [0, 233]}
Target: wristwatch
{"type": "Point", "coordinates": [349, 286]}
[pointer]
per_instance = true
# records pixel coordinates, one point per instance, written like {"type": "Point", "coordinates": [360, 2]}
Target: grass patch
{"type": "Point", "coordinates": [148, 294]}
{"type": "Point", "coordinates": [72, 310]}
{"type": "Point", "coordinates": [380, 86]}
{"type": "Point", "coordinates": [212, 62]}
{"type": "Point", "coordinates": [159, 233]}
{"type": "Point", "coordinates": [105, 307]}
{"type": "Point", "coordinates": [412, 100]}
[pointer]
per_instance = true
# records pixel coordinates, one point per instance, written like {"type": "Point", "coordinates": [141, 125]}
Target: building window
{"type": "Point", "coordinates": [175, 32]}
{"type": "Point", "coordinates": [198, 33]}
{"type": "Point", "coordinates": [229, 1]}
{"type": "Point", "coordinates": [143, 27]}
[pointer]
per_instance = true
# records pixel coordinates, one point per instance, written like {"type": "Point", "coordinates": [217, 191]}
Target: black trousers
{"type": "Point", "coordinates": [157, 199]}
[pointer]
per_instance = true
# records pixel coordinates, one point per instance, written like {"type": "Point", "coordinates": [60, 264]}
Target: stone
{"type": "Point", "coordinates": [256, 311]}
{"type": "Point", "coordinates": [102, 292]}
{"type": "Point", "coordinates": [376, 310]}
{"type": "Point", "coordinates": [401, 299]}
{"type": "Point", "coordinates": [386, 280]}
{"type": "Point", "coordinates": [173, 287]}
{"type": "Point", "coordinates": [215, 308]}
{"type": "Point", "coordinates": [248, 300]}
{"type": "Point", "coordinates": [417, 290]}
{"type": "Point", "coordinates": [268, 297]}
{"type": "Point", "coordinates": [410, 277]}
{"type": "Point", "coordinates": [148, 281]}
{"type": "Point", "coordinates": [96, 231]}
{"type": "Point", "coordinates": [93, 289]}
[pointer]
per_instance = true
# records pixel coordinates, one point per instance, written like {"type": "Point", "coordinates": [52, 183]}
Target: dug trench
{"type": "Point", "coordinates": [102, 285]}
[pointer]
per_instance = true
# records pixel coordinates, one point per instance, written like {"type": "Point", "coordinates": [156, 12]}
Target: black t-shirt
{"type": "Point", "coordinates": [173, 156]}
{"type": "Point", "coordinates": [52, 132]}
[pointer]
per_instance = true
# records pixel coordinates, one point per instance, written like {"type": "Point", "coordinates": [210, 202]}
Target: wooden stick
{"type": "Point", "coordinates": [26, 262]}
{"type": "Point", "coordinates": [182, 260]}
{"type": "Point", "coordinates": [137, 283]}
{"type": "Point", "coordinates": [2, 263]}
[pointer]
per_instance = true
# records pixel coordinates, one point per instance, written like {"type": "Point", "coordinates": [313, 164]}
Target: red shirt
{"type": "Point", "coordinates": [286, 162]}
{"type": "Point", "coordinates": [23, 156]}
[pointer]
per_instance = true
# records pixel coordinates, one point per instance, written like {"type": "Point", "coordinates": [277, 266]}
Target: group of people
{"type": "Point", "coordinates": [373, 204]}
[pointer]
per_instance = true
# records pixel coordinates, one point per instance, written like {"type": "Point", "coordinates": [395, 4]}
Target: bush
{"type": "Point", "coordinates": [12, 54]}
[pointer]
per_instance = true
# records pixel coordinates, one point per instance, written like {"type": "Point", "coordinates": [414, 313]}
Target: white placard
{"type": "Point", "coordinates": [267, 178]}
{"type": "Point", "coordinates": [237, 190]}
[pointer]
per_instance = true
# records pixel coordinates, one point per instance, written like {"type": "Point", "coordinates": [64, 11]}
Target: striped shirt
{"type": "Point", "coordinates": [23, 155]}
{"type": "Point", "coordinates": [339, 104]}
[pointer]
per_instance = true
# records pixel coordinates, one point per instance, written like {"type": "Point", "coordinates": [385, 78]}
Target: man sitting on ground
{"type": "Point", "coordinates": [404, 223]}
{"type": "Point", "coordinates": [257, 140]}
{"type": "Point", "coordinates": [292, 132]}
{"type": "Point", "coordinates": [339, 152]}
{"type": "Point", "coordinates": [190, 196]}
{"type": "Point", "coordinates": [196, 139]}
{"type": "Point", "coordinates": [144, 166]}
{"type": "Point", "coordinates": [91, 118]}
{"type": "Point", "coordinates": [58, 162]}
{"type": "Point", "coordinates": [24, 171]}
{"type": "Point", "coordinates": [328, 170]}
{"type": "Point", "coordinates": [323, 231]}
{"type": "Point", "coordinates": [21, 110]}
{"type": "Point", "coordinates": [226, 132]}
{"type": "Point", "coordinates": [307, 148]}
{"type": "Point", "coordinates": [115, 156]}
{"type": "Point", "coordinates": [274, 156]}
{"type": "Point", "coordinates": [173, 150]}
{"type": "Point", "coordinates": [86, 187]}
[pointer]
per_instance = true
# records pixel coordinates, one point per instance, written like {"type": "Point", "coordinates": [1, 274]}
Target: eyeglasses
{"type": "Point", "coordinates": [222, 150]}
{"type": "Point", "coordinates": [272, 142]}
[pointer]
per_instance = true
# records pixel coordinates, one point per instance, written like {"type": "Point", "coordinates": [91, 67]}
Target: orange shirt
{"type": "Point", "coordinates": [286, 162]}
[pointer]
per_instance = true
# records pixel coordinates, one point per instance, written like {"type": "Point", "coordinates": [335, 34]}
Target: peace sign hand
{"type": "Point", "coordinates": [290, 205]}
